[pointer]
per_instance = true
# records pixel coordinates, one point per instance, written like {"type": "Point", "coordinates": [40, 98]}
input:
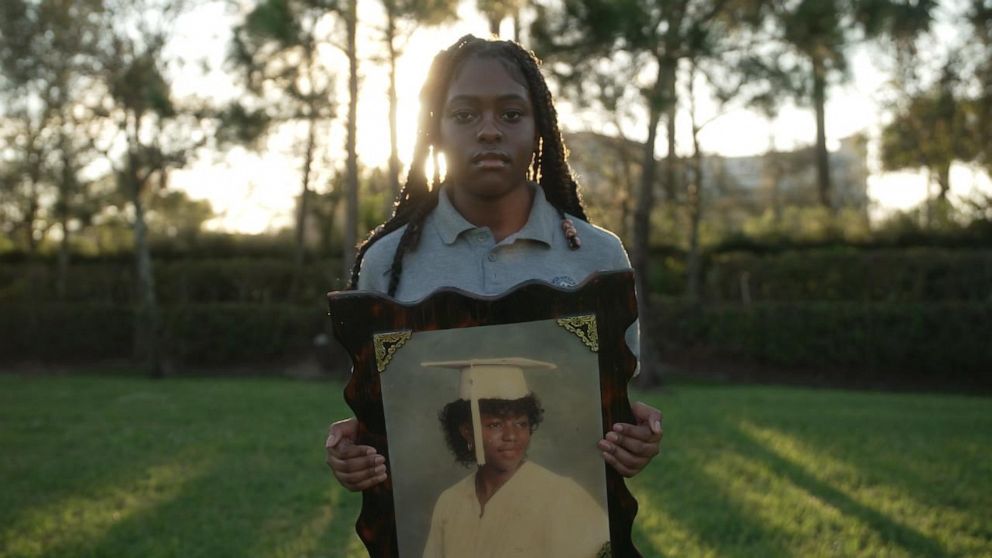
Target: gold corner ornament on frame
{"type": "Point", "coordinates": [386, 345]}
{"type": "Point", "coordinates": [583, 327]}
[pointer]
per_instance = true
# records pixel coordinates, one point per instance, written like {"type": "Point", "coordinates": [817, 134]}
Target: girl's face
{"type": "Point", "coordinates": [505, 440]}
{"type": "Point", "coordinates": [488, 133]}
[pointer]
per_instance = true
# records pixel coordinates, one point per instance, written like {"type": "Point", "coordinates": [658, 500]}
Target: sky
{"type": "Point", "coordinates": [254, 192]}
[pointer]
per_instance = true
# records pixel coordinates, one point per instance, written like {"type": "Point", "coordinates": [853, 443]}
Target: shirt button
{"type": "Point", "coordinates": [492, 257]}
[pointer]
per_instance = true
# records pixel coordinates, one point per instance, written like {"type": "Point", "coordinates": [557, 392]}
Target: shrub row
{"type": "Point", "coordinates": [913, 275]}
{"type": "Point", "coordinates": [200, 334]}
{"type": "Point", "coordinates": [176, 282]}
{"type": "Point", "coordinates": [916, 275]}
{"type": "Point", "coordinates": [933, 342]}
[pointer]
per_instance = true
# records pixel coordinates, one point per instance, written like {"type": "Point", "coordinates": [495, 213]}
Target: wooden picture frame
{"type": "Point", "coordinates": [377, 330]}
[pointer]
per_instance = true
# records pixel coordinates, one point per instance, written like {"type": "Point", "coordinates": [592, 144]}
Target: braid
{"type": "Point", "coordinates": [419, 196]}
{"type": "Point", "coordinates": [551, 169]}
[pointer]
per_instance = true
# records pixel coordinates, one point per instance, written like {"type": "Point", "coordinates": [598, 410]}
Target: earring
{"type": "Point", "coordinates": [570, 234]}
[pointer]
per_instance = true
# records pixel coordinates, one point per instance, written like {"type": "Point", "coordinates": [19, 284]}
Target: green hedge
{"type": "Point", "coordinates": [915, 275]}
{"type": "Point", "coordinates": [202, 334]}
{"type": "Point", "coordinates": [932, 341]}
{"type": "Point", "coordinates": [176, 282]}
{"type": "Point", "coordinates": [849, 274]}
{"type": "Point", "coordinates": [65, 332]}
{"type": "Point", "coordinates": [223, 334]}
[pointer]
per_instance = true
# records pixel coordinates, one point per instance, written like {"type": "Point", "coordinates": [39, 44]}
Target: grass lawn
{"type": "Point", "coordinates": [101, 466]}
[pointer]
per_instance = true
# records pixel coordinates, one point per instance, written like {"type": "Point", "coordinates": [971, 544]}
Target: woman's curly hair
{"type": "Point", "coordinates": [458, 412]}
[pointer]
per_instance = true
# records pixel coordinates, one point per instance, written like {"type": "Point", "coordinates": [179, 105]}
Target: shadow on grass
{"type": "Point", "coordinates": [249, 476]}
{"type": "Point", "coordinates": [700, 518]}
{"type": "Point", "coordinates": [909, 539]}
{"type": "Point", "coordinates": [62, 440]}
{"type": "Point", "coordinates": [230, 509]}
{"type": "Point", "coordinates": [688, 510]}
{"type": "Point", "coordinates": [60, 527]}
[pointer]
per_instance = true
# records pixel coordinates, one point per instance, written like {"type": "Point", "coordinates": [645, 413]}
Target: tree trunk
{"type": "Point", "coordinates": [66, 186]}
{"type": "Point", "coordinates": [695, 202]}
{"type": "Point", "coordinates": [147, 317]}
{"type": "Point", "coordinates": [351, 178]}
{"type": "Point", "coordinates": [494, 22]}
{"type": "Point", "coordinates": [943, 181]}
{"type": "Point", "coordinates": [822, 157]}
{"type": "Point", "coordinates": [304, 206]}
{"type": "Point", "coordinates": [672, 163]}
{"type": "Point", "coordinates": [773, 178]}
{"type": "Point", "coordinates": [394, 158]}
{"type": "Point", "coordinates": [642, 226]}
{"type": "Point", "coordinates": [627, 181]}
{"type": "Point", "coordinates": [34, 179]}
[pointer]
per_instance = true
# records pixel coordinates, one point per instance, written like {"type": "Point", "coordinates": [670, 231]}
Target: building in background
{"type": "Point", "coordinates": [735, 189]}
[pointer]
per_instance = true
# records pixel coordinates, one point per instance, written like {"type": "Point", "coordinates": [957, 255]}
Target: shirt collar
{"type": "Point", "coordinates": [448, 221]}
{"type": "Point", "coordinates": [540, 224]}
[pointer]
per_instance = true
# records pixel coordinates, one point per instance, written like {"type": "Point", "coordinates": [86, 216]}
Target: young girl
{"type": "Point", "coordinates": [508, 211]}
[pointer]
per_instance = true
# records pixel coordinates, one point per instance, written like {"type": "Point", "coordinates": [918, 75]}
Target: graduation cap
{"type": "Point", "coordinates": [490, 378]}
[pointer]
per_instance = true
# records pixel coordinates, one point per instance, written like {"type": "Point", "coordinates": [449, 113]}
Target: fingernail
{"type": "Point", "coordinates": [618, 427]}
{"type": "Point", "coordinates": [606, 455]}
{"type": "Point", "coordinates": [612, 436]}
{"type": "Point", "coordinates": [370, 451]}
{"type": "Point", "coordinates": [331, 440]}
{"type": "Point", "coordinates": [380, 469]}
{"type": "Point", "coordinates": [379, 460]}
{"type": "Point", "coordinates": [656, 426]}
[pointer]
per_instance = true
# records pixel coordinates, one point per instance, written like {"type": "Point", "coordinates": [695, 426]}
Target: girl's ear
{"type": "Point", "coordinates": [466, 431]}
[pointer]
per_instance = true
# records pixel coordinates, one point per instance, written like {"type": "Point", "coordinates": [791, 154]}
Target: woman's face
{"type": "Point", "coordinates": [488, 132]}
{"type": "Point", "coordinates": [505, 440]}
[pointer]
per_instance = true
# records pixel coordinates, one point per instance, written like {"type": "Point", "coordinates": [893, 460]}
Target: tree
{"type": "Point", "coordinates": [819, 34]}
{"type": "Point", "coordinates": [979, 17]}
{"type": "Point", "coordinates": [931, 131]}
{"type": "Point", "coordinates": [496, 11]}
{"type": "Point", "coordinates": [24, 133]}
{"type": "Point", "coordinates": [277, 47]}
{"type": "Point", "coordinates": [655, 36]}
{"type": "Point", "coordinates": [148, 135]}
{"type": "Point", "coordinates": [26, 127]}
{"type": "Point", "coordinates": [402, 17]}
{"type": "Point", "coordinates": [350, 16]}
{"type": "Point", "coordinates": [46, 51]}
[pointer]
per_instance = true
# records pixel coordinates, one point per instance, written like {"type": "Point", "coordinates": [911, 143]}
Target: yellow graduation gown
{"type": "Point", "coordinates": [535, 514]}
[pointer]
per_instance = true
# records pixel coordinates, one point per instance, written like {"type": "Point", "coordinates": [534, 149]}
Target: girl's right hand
{"type": "Point", "coordinates": [356, 467]}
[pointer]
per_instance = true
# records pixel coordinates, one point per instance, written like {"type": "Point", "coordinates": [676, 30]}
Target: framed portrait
{"type": "Point", "coordinates": [488, 411]}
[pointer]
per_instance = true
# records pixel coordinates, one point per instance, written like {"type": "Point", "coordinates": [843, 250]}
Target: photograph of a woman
{"type": "Point", "coordinates": [508, 506]}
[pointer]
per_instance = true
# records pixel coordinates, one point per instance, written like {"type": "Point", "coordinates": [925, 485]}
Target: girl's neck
{"type": "Point", "coordinates": [503, 215]}
{"type": "Point", "coordinates": [488, 480]}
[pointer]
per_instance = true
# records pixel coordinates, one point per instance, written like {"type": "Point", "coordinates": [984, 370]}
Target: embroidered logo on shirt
{"type": "Point", "coordinates": [563, 281]}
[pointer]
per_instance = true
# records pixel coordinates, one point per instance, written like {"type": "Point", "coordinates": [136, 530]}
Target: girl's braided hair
{"type": "Point", "coordinates": [419, 196]}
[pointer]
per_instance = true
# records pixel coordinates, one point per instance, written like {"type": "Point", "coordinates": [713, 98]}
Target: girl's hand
{"type": "Point", "coordinates": [355, 467]}
{"type": "Point", "coordinates": [629, 448]}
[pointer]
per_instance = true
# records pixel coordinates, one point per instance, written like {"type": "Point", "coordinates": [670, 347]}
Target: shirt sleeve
{"type": "Point", "coordinates": [372, 274]}
{"type": "Point", "coordinates": [633, 334]}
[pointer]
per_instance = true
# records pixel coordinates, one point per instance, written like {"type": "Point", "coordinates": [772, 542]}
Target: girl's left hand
{"type": "Point", "coordinates": [629, 448]}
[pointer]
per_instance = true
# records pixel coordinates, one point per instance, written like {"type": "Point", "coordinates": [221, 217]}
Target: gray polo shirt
{"type": "Point", "coordinates": [455, 253]}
